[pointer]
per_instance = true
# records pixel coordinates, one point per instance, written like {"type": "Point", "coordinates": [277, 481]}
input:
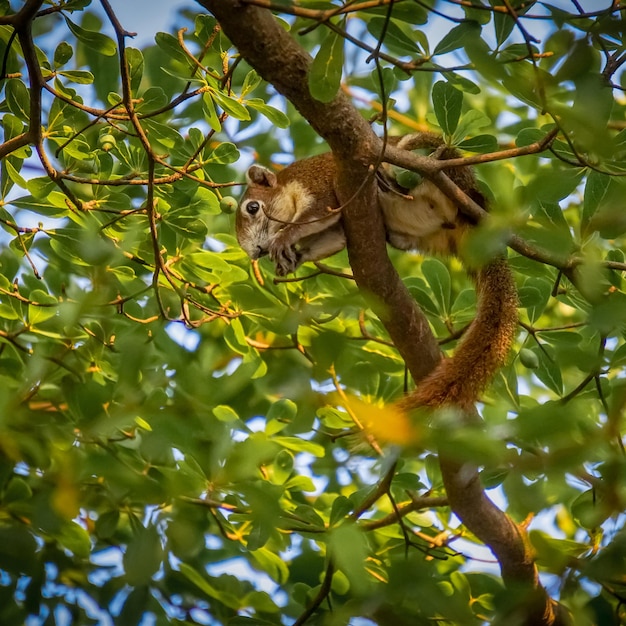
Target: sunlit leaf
{"type": "Point", "coordinates": [231, 105]}
{"type": "Point", "coordinates": [79, 77]}
{"type": "Point", "coordinates": [327, 68]}
{"type": "Point", "coordinates": [386, 424]}
{"type": "Point", "coordinates": [274, 115]}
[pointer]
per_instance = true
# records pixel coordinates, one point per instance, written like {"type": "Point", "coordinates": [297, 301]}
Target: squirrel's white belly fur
{"type": "Point", "coordinates": [424, 222]}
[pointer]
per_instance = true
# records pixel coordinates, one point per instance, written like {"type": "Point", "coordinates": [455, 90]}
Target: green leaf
{"type": "Point", "coordinates": [469, 124]}
{"type": "Point", "coordinates": [18, 98]}
{"type": "Point", "coordinates": [207, 266]}
{"type": "Point", "coordinates": [456, 37]}
{"type": "Point", "coordinates": [490, 479]}
{"type": "Point", "coordinates": [422, 297]}
{"type": "Point", "coordinates": [210, 114]}
{"type": "Point", "coordinates": [408, 13]}
{"type": "Point", "coordinates": [52, 205]}
{"type": "Point", "coordinates": [596, 190]}
{"type": "Point", "coordinates": [364, 377]}
{"type": "Point", "coordinates": [579, 62]}
{"type": "Point", "coordinates": [75, 539]}
{"type": "Point", "coordinates": [549, 372]}
{"type": "Point", "coordinates": [447, 103]}
{"type": "Point", "coordinates": [164, 134]}
{"type": "Point", "coordinates": [79, 77]}
{"type": "Point", "coordinates": [261, 602]}
{"type": "Point", "coordinates": [481, 144]}
{"type": "Point", "coordinates": [92, 39]}
{"type": "Point", "coordinates": [135, 61]}
{"type": "Point", "coordinates": [589, 509]}
{"type": "Point", "coordinates": [349, 549]}
{"type": "Point", "coordinates": [17, 491]}
{"type": "Point", "coordinates": [231, 105]}
{"type": "Point", "coordinates": [542, 291]}
{"type": "Point", "coordinates": [77, 148]}
{"type": "Point", "coordinates": [327, 68]}
{"type": "Point", "coordinates": [225, 597]}
{"type": "Point", "coordinates": [235, 336]}
{"type": "Point", "coordinates": [225, 413]}
{"type": "Point", "coordinates": [13, 127]}
{"type": "Point", "coordinates": [274, 115]}
{"type": "Point", "coordinates": [225, 153]}
{"type": "Point", "coordinates": [609, 313]}
{"type": "Point", "coordinates": [394, 36]}
{"type": "Point", "coordinates": [107, 523]}
{"type": "Point", "coordinates": [301, 445]}
{"type": "Point", "coordinates": [503, 25]}
{"type": "Point", "coordinates": [273, 564]}
{"type": "Point", "coordinates": [342, 507]}
{"type": "Point", "coordinates": [62, 54]}
{"type": "Point", "coordinates": [438, 278]}
{"type": "Point", "coordinates": [556, 554]}
{"type": "Point", "coordinates": [190, 227]}
{"type": "Point", "coordinates": [134, 607]}
{"type": "Point", "coordinates": [206, 202]}
{"type": "Point", "coordinates": [169, 44]}
{"type": "Point", "coordinates": [283, 410]}
{"type": "Point", "coordinates": [14, 174]}
{"type": "Point", "coordinates": [250, 83]}
{"type": "Point", "coordinates": [17, 550]}
{"type": "Point", "coordinates": [204, 26]}
{"type": "Point", "coordinates": [143, 556]}
{"type": "Point", "coordinates": [461, 82]}
{"type": "Point", "coordinates": [464, 307]}
{"type": "Point", "coordinates": [282, 466]}
{"type": "Point", "coordinates": [43, 308]}
{"type": "Point", "coordinates": [300, 483]}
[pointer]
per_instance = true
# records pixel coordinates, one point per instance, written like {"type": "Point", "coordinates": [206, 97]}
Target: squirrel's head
{"type": "Point", "coordinates": [253, 224]}
{"type": "Point", "coordinates": [269, 203]}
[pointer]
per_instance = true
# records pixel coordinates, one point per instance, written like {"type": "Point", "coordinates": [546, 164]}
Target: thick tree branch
{"type": "Point", "coordinates": [281, 61]}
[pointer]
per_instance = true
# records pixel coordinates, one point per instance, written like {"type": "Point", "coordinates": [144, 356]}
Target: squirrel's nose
{"type": "Point", "coordinates": [260, 251]}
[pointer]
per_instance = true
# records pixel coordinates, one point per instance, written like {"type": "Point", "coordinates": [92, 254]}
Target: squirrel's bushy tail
{"type": "Point", "coordinates": [483, 349]}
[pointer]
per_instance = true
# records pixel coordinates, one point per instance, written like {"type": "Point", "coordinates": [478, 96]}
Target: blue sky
{"type": "Point", "coordinates": [147, 17]}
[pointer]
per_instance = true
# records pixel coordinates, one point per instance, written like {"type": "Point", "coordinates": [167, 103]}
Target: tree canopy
{"type": "Point", "coordinates": [187, 439]}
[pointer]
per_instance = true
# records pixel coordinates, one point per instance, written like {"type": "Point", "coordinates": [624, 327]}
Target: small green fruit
{"type": "Point", "coordinates": [408, 179]}
{"type": "Point", "coordinates": [228, 204]}
{"type": "Point", "coordinates": [107, 142]}
{"type": "Point", "coordinates": [528, 359]}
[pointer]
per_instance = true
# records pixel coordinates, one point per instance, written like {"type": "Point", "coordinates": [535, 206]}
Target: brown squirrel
{"type": "Point", "coordinates": [294, 217]}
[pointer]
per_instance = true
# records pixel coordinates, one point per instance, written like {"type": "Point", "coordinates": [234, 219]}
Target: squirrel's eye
{"type": "Point", "coordinates": [252, 208]}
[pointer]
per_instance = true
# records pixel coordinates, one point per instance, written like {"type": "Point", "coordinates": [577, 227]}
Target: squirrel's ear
{"type": "Point", "coordinates": [261, 176]}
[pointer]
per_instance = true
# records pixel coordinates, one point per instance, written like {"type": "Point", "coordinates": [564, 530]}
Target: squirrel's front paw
{"type": "Point", "coordinates": [285, 257]}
